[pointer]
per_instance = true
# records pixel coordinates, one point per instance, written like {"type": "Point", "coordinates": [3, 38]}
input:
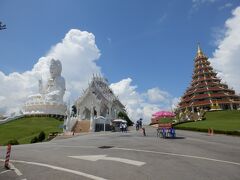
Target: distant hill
{"type": "Point", "coordinates": [24, 129]}
{"type": "Point", "coordinates": [226, 122]}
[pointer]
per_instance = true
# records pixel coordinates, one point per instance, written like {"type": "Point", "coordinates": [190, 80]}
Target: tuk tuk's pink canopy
{"type": "Point", "coordinates": [163, 114]}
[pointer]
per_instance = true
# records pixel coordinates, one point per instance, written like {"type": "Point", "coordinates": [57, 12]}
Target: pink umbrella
{"type": "Point", "coordinates": [160, 114]}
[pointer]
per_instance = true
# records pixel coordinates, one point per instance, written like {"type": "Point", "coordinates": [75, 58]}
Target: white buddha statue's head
{"type": "Point", "coordinates": [55, 68]}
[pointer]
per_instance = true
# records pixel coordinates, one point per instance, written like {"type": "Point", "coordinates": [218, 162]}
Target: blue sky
{"type": "Point", "coordinates": [151, 42]}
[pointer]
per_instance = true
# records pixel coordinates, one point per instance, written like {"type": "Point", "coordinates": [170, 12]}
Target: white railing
{"type": "Point", "coordinates": [70, 122]}
{"type": "Point", "coordinates": [10, 119]}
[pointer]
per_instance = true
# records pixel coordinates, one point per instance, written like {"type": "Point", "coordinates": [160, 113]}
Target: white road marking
{"type": "Point", "coordinates": [163, 153]}
{"type": "Point", "coordinates": [203, 141]}
{"type": "Point", "coordinates": [86, 147]}
{"type": "Point", "coordinates": [104, 157]}
{"type": "Point", "coordinates": [4, 171]}
{"type": "Point", "coordinates": [15, 169]}
{"type": "Point", "coordinates": [60, 169]}
{"type": "Point", "coordinates": [180, 155]}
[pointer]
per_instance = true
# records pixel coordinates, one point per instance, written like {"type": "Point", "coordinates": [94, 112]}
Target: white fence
{"type": "Point", "coordinates": [10, 119]}
{"type": "Point", "coordinates": [70, 122]}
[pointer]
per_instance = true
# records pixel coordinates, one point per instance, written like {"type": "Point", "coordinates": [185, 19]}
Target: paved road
{"type": "Point", "coordinates": [128, 156]}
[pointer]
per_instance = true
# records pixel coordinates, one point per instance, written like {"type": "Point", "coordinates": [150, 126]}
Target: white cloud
{"type": "Point", "coordinates": [217, 34]}
{"type": "Point", "coordinates": [77, 52]}
{"type": "Point", "coordinates": [226, 57]}
{"type": "Point", "coordinates": [157, 95]}
{"type": "Point", "coordinates": [109, 40]}
{"type": "Point", "coordinates": [141, 105]}
{"type": "Point", "coordinates": [196, 4]}
{"type": "Point", "coordinates": [225, 6]}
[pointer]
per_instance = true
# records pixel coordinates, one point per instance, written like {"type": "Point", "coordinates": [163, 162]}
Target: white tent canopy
{"type": "Point", "coordinates": [120, 120]}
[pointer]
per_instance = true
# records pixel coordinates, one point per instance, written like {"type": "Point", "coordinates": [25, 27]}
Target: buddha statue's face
{"type": "Point", "coordinates": [55, 68]}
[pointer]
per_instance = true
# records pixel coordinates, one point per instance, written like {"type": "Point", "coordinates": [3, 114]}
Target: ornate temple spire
{"type": "Point", "coordinates": [199, 51]}
{"type": "Point", "coordinates": [206, 90]}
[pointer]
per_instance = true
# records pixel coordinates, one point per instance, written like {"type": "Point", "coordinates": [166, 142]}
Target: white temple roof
{"type": "Point", "coordinates": [99, 87]}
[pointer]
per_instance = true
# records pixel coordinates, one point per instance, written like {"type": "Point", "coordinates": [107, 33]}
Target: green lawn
{"type": "Point", "coordinates": [24, 129]}
{"type": "Point", "coordinates": [221, 121]}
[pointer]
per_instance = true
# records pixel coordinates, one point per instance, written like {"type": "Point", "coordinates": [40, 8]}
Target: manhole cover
{"type": "Point", "coordinates": [105, 147]}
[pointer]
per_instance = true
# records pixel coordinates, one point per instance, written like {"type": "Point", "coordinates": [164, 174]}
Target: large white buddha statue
{"type": "Point", "coordinates": [56, 83]}
{"type": "Point", "coordinates": [49, 100]}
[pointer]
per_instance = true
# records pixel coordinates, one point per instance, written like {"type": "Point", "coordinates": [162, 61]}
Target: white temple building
{"type": "Point", "coordinates": [96, 108]}
{"type": "Point", "coordinates": [49, 100]}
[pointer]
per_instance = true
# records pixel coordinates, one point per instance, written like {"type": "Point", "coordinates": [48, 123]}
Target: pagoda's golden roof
{"type": "Point", "coordinates": [199, 52]}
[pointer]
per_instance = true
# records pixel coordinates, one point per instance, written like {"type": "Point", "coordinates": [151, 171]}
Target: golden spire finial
{"type": "Point", "coordinates": [199, 51]}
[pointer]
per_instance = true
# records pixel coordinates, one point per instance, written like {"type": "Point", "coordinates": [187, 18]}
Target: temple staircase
{"type": "Point", "coordinates": [81, 126]}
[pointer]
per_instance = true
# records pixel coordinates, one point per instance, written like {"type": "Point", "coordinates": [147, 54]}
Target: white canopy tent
{"type": "Point", "coordinates": [119, 120]}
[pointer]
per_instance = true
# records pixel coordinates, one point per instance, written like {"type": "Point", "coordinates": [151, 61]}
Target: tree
{"type": "Point", "coordinates": [2, 26]}
{"type": "Point", "coordinates": [123, 115]}
{"type": "Point", "coordinates": [13, 142]}
{"type": "Point", "coordinates": [34, 140]}
{"type": "Point", "coordinates": [74, 110]}
{"type": "Point", "coordinates": [41, 136]}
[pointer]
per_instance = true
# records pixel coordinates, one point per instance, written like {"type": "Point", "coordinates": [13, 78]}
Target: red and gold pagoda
{"type": "Point", "coordinates": [206, 90]}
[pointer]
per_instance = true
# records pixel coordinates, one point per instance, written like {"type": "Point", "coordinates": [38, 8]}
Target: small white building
{"type": "Point", "coordinates": [98, 105]}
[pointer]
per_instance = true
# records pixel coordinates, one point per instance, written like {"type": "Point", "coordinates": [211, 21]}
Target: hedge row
{"type": "Point", "coordinates": [235, 133]}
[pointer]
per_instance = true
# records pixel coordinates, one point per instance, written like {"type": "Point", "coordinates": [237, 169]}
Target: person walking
{"type": "Point", "coordinates": [144, 131]}
{"type": "Point", "coordinates": [140, 123]}
{"type": "Point", "coordinates": [137, 125]}
{"type": "Point", "coordinates": [125, 127]}
{"type": "Point", "coordinates": [121, 127]}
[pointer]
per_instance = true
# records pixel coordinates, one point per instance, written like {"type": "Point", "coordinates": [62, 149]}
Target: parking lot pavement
{"type": "Point", "coordinates": [7, 174]}
{"type": "Point", "coordinates": [2, 167]}
{"type": "Point", "coordinates": [117, 156]}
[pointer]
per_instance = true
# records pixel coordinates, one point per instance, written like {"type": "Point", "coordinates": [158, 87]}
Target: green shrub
{"type": "Point", "coordinates": [41, 136]}
{"type": "Point", "coordinates": [13, 142]}
{"type": "Point", "coordinates": [34, 140]}
{"type": "Point", "coordinates": [235, 133]}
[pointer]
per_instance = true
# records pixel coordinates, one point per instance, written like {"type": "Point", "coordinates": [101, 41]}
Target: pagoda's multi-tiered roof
{"type": "Point", "coordinates": [206, 90]}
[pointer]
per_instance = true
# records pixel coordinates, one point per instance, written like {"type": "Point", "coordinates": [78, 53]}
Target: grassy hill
{"type": "Point", "coordinates": [227, 122]}
{"type": "Point", "coordinates": [24, 129]}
